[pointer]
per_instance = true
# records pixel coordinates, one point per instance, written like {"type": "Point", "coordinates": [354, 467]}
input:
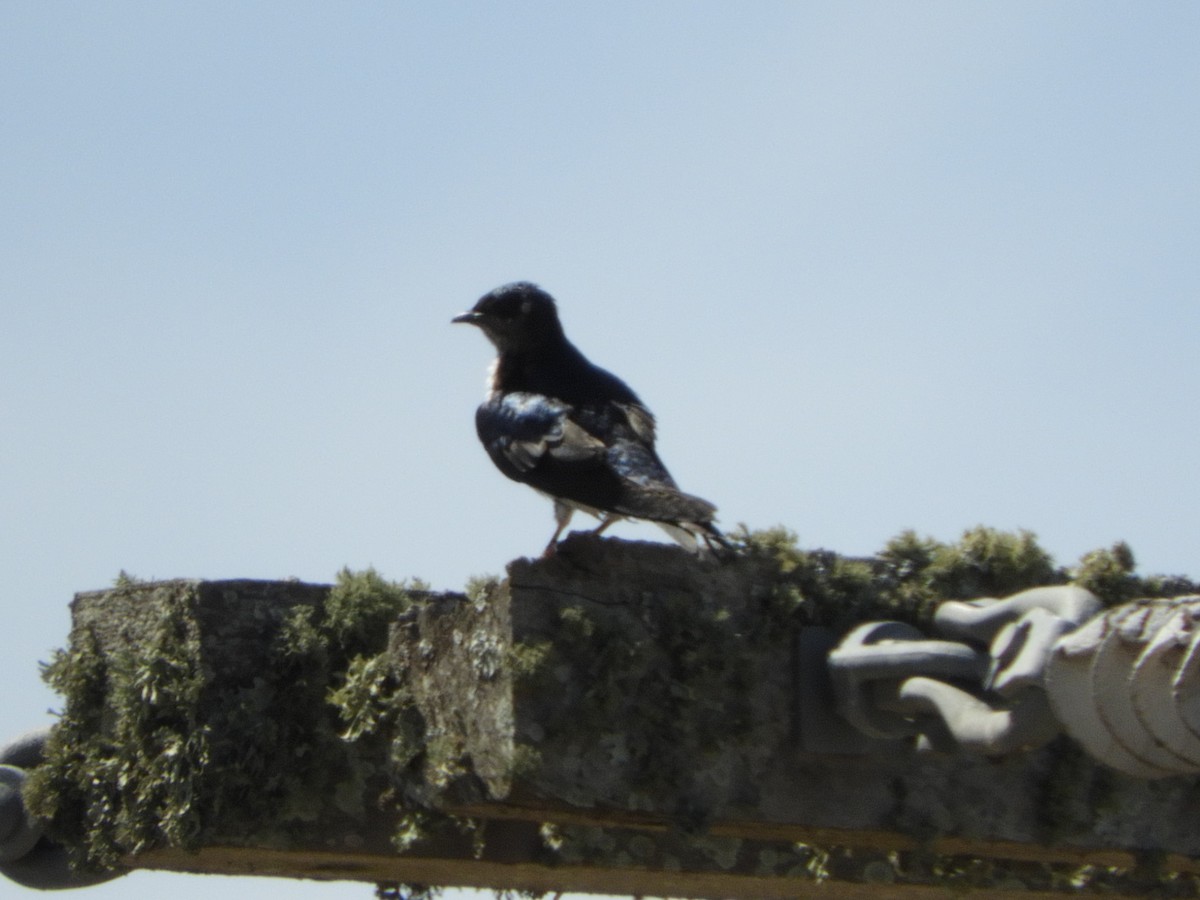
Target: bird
{"type": "Point", "coordinates": [573, 431]}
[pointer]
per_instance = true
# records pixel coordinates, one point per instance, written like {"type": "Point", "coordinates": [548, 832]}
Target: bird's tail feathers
{"type": "Point", "coordinates": [701, 538]}
{"type": "Point", "coordinates": [686, 518]}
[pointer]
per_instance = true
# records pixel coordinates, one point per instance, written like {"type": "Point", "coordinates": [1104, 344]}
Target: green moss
{"type": "Point", "coordinates": [367, 696]}
{"type": "Point", "coordinates": [905, 581]}
{"type": "Point", "coordinates": [362, 605]}
{"type": "Point", "coordinates": [990, 563]}
{"type": "Point", "coordinates": [480, 588]}
{"type": "Point", "coordinates": [1109, 573]}
{"type": "Point", "coordinates": [528, 660]}
{"type": "Point", "coordinates": [125, 579]}
{"type": "Point", "coordinates": [913, 574]}
{"type": "Point", "coordinates": [122, 768]}
{"type": "Point", "coordinates": [156, 748]}
{"type": "Point", "coordinates": [807, 586]}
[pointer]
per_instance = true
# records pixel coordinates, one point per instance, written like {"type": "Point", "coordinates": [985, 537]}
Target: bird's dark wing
{"type": "Point", "coordinates": [525, 432]}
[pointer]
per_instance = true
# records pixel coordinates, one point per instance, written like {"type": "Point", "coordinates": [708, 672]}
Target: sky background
{"type": "Point", "coordinates": [875, 267]}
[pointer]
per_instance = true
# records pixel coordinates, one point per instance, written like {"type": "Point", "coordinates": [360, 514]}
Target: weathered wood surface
{"type": "Point", "coordinates": [621, 718]}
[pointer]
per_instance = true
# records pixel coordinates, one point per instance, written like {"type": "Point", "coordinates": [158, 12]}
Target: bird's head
{"type": "Point", "coordinates": [516, 317]}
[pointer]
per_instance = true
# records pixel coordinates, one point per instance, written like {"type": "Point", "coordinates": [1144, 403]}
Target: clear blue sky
{"type": "Point", "coordinates": [874, 266]}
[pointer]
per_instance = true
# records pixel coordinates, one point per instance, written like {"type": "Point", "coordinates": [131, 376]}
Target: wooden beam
{"type": "Point", "coordinates": [621, 718]}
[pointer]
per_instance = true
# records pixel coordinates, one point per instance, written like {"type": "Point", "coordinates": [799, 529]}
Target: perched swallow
{"type": "Point", "coordinates": [571, 430]}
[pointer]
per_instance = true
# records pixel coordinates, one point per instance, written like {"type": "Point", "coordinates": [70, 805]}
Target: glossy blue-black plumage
{"type": "Point", "coordinates": [570, 429]}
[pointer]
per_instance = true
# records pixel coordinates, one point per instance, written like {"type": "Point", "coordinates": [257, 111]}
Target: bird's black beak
{"type": "Point", "coordinates": [470, 318]}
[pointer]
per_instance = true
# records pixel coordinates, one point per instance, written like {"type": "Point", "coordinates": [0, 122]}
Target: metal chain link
{"type": "Point", "coordinates": [1124, 683]}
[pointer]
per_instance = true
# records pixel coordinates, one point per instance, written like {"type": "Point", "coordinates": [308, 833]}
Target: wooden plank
{"type": "Point", "coordinates": [333, 866]}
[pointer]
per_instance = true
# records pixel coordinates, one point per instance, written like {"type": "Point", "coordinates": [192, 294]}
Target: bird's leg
{"type": "Point", "coordinates": [608, 520]}
{"type": "Point", "coordinates": [562, 515]}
